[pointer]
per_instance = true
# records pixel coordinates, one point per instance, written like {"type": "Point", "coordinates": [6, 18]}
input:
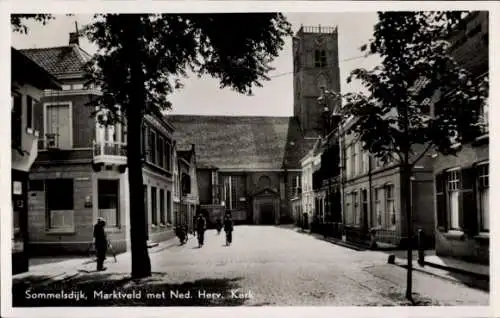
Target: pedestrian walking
{"type": "Point", "coordinates": [218, 225]}
{"type": "Point", "coordinates": [228, 228]}
{"type": "Point", "coordinates": [100, 243]}
{"type": "Point", "coordinates": [201, 226]}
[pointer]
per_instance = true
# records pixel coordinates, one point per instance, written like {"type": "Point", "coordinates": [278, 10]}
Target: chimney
{"type": "Point", "coordinates": [74, 38]}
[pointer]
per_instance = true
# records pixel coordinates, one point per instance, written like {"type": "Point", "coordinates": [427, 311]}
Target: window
{"type": "Point", "coordinates": [29, 112]}
{"type": "Point", "coordinates": [365, 162]}
{"type": "Point", "coordinates": [355, 159]}
{"type": "Point", "coordinates": [144, 134]}
{"type": "Point", "coordinates": [378, 193]}
{"type": "Point", "coordinates": [320, 58]}
{"type": "Point", "coordinates": [168, 155]}
{"type": "Point", "coordinates": [59, 200]}
{"type": "Point", "coordinates": [108, 201]}
{"type": "Point", "coordinates": [66, 87]}
{"type": "Point", "coordinates": [163, 211]}
{"type": "Point", "coordinates": [348, 211]}
{"type": "Point", "coordinates": [348, 161]}
{"type": "Point", "coordinates": [484, 117]}
{"type": "Point", "coordinates": [58, 125]}
{"type": "Point", "coordinates": [453, 188]}
{"type": "Point", "coordinates": [154, 210]}
{"type": "Point", "coordinates": [146, 206]}
{"type": "Point", "coordinates": [389, 205]}
{"type": "Point", "coordinates": [160, 145]}
{"type": "Point", "coordinates": [16, 120]}
{"type": "Point", "coordinates": [169, 207]}
{"type": "Point", "coordinates": [484, 196]}
{"type": "Point", "coordinates": [152, 146]}
{"type": "Point", "coordinates": [234, 191]}
{"type": "Point", "coordinates": [77, 86]}
{"type": "Point", "coordinates": [355, 202]}
{"type": "Point", "coordinates": [265, 181]}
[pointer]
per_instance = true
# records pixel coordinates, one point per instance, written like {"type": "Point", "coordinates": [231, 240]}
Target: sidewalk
{"type": "Point", "coordinates": [72, 267]}
{"type": "Point", "coordinates": [466, 273]}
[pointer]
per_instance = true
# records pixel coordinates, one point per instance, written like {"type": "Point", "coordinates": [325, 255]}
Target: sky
{"type": "Point", "coordinates": [203, 96]}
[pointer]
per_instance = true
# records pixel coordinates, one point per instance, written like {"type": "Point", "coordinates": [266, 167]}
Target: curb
{"type": "Point", "coordinates": [457, 270]}
{"type": "Point", "coordinates": [421, 269]}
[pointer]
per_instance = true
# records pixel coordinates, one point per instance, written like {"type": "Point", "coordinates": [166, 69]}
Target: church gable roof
{"type": "Point", "coordinates": [241, 142]}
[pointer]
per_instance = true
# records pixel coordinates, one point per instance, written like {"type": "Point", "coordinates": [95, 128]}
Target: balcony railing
{"type": "Point", "coordinates": [110, 152]}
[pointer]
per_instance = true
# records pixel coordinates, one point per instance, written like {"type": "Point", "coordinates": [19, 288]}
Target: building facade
{"type": "Point", "coordinates": [81, 170]}
{"type": "Point", "coordinates": [462, 182]}
{"type": "Point", "coordinates": [29, 80]}
{"type": "Point", "coordinates": [373, 201]}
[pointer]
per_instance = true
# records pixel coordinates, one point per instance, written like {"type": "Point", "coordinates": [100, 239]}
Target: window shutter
{"type": "Point", "coordinates": [441, 209]}
{"type": "Point", "coordinates": [468, 208]}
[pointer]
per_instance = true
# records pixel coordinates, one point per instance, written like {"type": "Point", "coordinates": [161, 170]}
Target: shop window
{"type": "Point", "coordinates": [60, 205]}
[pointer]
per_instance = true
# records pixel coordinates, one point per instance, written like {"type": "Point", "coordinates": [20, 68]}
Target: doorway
{"type": "Point", "coordinates": [267, 213]}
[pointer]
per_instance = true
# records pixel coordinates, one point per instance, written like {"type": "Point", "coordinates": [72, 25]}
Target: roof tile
{"type": "Point", "coordinates": [242, 142]}
{"type": "Point", "coordinates": [59, 60]}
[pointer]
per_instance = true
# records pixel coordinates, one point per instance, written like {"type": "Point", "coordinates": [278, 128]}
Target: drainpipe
{"type": "Point", "coordinates": [370, 209]}
{"type": "Point", "coordinates": [341, 177]}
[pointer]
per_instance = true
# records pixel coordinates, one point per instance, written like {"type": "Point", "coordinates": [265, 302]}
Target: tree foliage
{"type": "Point", "coordinates": [237, 49]}
{"type": "Point", "coordinates": [18, 21]}
{"type": "Point", "coordinates": [143, 58]}
{"type": "Point", "coordinates": [416, 64]}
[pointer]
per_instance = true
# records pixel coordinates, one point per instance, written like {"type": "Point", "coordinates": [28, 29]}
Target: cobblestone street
{"type": "Point", "coordinates": [264, 266]}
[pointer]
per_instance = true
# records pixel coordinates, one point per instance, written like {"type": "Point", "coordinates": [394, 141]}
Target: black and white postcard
{"type": "Point", "coordinates": [331, 156]}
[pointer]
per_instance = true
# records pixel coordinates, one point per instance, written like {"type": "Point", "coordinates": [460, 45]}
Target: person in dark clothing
{"type": "Point", "coordinates": [228, 228]}
{"type": "Point", "coordinates": [201, 226]}
{"type": "Point", "coordinates": [218, 225]}
{"type": "Point", "coordinates": [100, 243]}
{"type": "Point", "coordinates": [181, 232]}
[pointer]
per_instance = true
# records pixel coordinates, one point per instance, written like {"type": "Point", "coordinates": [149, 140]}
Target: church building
{"type": "Point", "coordinates": [250, 165]}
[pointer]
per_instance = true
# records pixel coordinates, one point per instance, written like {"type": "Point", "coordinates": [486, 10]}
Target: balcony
{"type": "Point", "coordinates": [110, 152]}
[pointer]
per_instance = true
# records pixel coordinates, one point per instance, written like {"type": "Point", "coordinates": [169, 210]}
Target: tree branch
{"type": "Point", "coordinates": [421, 154]}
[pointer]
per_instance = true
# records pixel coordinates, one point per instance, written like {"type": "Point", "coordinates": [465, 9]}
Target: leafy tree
{"type": "Point", "coordinates": [17, 21]}
{"type": "Point", "coordinates": [393, 119]}
{"type": "Point", "coordinates": [143, 58]}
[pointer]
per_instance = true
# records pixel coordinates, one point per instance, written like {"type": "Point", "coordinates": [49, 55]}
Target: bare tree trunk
{"type": "Point", "coordinates": [141, 264]}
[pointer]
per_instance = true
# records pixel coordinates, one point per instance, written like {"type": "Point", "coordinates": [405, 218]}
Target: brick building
{"type": "Point", "coordinates": [80, 172]}
{"type": "Point", "coordinates": [29, 80]}
{"type": "Point", "coordinates": [246, 165]}
{"type": "Point", "coordinates": [462, 181]}
{"type": "Point", "coordinates": [373, 199]}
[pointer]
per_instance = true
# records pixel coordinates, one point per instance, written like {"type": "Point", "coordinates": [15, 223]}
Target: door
{"type": "Point", "coordinates": [267, 213]}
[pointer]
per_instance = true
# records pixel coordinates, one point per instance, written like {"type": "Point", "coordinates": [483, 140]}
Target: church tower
{"type": "Point", "coordinates": [315, 67]}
